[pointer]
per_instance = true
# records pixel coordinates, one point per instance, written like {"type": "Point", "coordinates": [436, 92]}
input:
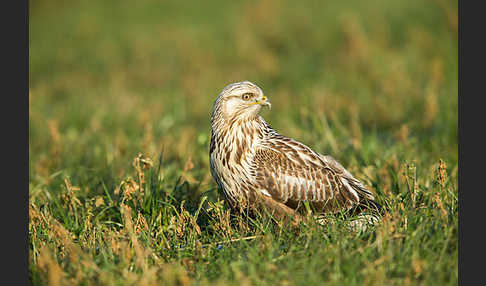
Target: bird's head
{"type": "Point", "coordinates": [240, 100]}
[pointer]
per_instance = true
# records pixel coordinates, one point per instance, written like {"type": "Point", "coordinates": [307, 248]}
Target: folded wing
{"type": "Point", "coordinates": [291, 173]}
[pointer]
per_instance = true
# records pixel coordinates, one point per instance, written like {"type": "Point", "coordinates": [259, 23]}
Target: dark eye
{"type": "Point", "coordinates": [246, 96]}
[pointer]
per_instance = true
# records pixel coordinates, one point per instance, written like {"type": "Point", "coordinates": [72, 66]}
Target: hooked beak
{"type": "Point", "coordinates": [264, 102]}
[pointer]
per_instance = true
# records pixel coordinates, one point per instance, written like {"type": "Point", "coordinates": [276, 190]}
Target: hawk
{"type": "Point", "coordinates": [257, 167]}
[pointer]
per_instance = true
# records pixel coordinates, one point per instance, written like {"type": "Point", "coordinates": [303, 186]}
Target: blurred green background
{"type": "Point", "coordinates": [109, 79]}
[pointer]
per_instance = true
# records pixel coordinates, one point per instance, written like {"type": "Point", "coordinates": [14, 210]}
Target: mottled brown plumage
{"type": "Point", "coordinates": [257, 167]}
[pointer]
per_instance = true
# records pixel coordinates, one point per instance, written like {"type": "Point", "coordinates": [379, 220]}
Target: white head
{"type": "Point", "coordinates": [241, 100]}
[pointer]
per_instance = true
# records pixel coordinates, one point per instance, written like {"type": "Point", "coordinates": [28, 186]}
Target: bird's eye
{"type": "Point", "coordinates": [246, 96]}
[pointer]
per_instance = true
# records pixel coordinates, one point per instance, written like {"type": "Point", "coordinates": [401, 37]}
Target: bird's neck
{"type": "Point", "coordinates": [234, 143]}
{"type": "Point", "coordinates": [241, 132]}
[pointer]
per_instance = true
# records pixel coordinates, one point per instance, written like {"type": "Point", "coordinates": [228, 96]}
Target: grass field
{"type": "Point", "coordinates": [120, 191]}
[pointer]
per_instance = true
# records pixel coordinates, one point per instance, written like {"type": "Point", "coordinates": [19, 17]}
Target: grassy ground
{"type": "Point", "coordinates": [372, 83]}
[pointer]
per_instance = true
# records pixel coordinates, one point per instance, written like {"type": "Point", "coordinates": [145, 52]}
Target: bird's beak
{"type": "Point", "coordinates": [264, 102]}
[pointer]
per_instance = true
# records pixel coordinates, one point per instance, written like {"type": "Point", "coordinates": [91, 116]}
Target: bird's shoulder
{"type": "Point", "coordinates": [288, 148]}
{"type": "Point", "coordinates": [276, 148]}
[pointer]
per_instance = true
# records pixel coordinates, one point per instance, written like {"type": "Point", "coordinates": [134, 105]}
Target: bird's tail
{"type": "Point", "coordinates": [367, 213]}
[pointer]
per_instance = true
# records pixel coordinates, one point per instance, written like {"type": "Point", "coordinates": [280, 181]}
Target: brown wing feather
{"type": "Point", "coordinates": [292, 173]}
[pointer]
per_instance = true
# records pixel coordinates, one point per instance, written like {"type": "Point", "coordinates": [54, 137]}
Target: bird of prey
{"type": "Point", "coordinates": [257, 167]}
